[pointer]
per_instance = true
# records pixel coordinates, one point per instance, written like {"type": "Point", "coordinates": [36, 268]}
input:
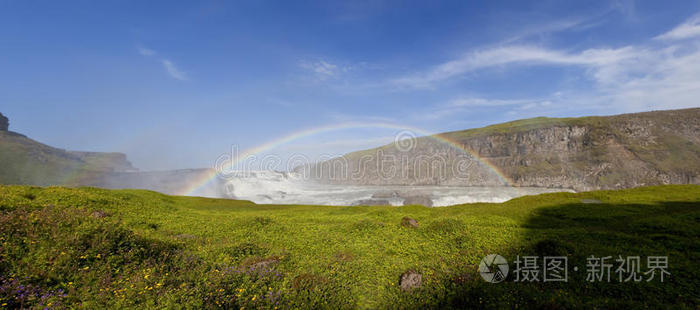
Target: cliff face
{"type": "Point", "coordinates": [622, 151]}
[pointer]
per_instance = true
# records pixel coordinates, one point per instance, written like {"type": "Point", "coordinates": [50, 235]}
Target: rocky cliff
{"type": "Point", "coordinates": [611, 152]}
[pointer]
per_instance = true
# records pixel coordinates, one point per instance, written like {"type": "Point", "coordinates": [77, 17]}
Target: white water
{"type": "Point", "coordinates": [270, 187]}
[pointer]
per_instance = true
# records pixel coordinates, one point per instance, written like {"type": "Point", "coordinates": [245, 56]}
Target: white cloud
{"type": "Point", "coordinates": [688, 29]}
{"type": "Point", "coordinates": [671, 81]}
{"type": "Point", "coordinates": [624, 79]}
{"type": "Point", "coordinates": [145, 51]}
{"type": "Point", "coordinates": [169, 66]}
{"type": "Point", "coordinates": [173, 71]}
{"type": "Point", "coordinates": [514, 55]}
{"type": "Point", "coordinates": [321, 68]}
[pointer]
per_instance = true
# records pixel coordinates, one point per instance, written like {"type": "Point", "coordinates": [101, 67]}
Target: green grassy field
{"type": "Point", "coordinates": [94, 248]}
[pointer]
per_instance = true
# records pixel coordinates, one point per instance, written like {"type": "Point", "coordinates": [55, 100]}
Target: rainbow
{"type": "Point", "coordinates": [210, 176]}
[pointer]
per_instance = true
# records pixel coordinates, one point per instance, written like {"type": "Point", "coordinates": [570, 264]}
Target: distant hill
{"type": "Point", "coordinates": [24, 161]}
{"type": "Point", "coordinates": [587, 153]}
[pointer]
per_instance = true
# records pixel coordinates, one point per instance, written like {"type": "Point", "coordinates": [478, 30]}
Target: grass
{"type": "Point", "coordinates": [95, 248]}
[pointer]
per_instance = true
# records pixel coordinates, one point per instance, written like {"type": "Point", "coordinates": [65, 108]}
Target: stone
{"type": "Point", "coordinates": [264, 265]}
{"type": "Point", "coordinates": [409, 222]}
{"type": "Point", "coordinates": [99, 214]}
{"type": "Point", "coordinates": [410, 280]}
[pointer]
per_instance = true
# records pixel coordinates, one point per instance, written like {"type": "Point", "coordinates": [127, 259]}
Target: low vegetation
{"type": "Point", "coordinates": [94, 248]}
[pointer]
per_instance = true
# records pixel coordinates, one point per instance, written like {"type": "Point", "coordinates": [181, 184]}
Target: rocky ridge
{"type": "Point", "coordinates": [588, 153]}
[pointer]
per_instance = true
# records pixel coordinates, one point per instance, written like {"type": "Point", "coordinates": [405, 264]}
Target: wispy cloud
{"type": "Point", "coordinates": [542, 29]}
{"type": "Point", "coordinates": [325, 70]}
{"type": "Point", "coordinates": [322, 69]}
{"type": "Point", "coordinates": [173, 71]}
{"type": "Point", "coordinates": [512, 55]}
{"type": "Point", "coordinates": [624, 79]}
{"type": "Point", "coordinates": [145, 51]}
{"type": "Point", "coordinates": [688, 29]}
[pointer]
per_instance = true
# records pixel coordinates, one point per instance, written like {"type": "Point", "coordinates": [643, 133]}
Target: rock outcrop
{"type": "Point", "coordinates": [410, 280]}
{"type": "Point", "coordinates": [4, 123]}
{"type": "Point", "coordinates": [409, 222]}
{"type": "Point", "coordinates": [588, 153]}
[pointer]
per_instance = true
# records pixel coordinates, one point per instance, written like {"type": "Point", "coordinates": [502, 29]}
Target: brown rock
{"type": "Point", "coordinates": [99, 214]}
{"type": "Point", "coordinates": [409, 222]}
{"type": "Point", "coordinates": [263, 265]}
{"type": "Point", "coordinates": [410, 280]}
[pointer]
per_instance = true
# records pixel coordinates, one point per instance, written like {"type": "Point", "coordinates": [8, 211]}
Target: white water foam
{"type": "Point", "coordinates": [271, 187]}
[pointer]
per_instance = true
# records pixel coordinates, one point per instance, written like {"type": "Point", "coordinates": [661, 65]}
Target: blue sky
{"type": "Point", "coordinates": [174, 84]}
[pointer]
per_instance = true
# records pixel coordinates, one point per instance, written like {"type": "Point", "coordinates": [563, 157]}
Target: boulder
{"type": "Point", "coordinates": [410, 280]}
{"type": "Point", "coordinates": [257, 265]}
{"type": "Point", "coordinates": [409, 222]}
{"type": "Point", "coordinates": [99, 214]}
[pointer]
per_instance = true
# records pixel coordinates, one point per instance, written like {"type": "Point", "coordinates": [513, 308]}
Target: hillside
{"type": "Point", "coordinates": [94, 248]}
{"type": "Point", "coordinates": [25, 161]}
{"type": "Point", "coordinates": [599, 152]}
